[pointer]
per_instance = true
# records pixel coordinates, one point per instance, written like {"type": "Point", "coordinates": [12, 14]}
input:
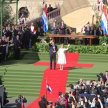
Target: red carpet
{"type": "Point", "coordinates": [57, 79]}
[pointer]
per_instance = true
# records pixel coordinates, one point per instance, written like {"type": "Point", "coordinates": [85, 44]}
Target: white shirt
{"type": "Point", "coordinates": [32, 28]}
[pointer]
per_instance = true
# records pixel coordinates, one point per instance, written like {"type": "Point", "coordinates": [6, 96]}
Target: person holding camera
{"type": "Point", "coordinates": [62, 101]}
{"type": "Point", "coordinates": [42, 103]}
{"type": "Point", "coordinates": [18, 101]}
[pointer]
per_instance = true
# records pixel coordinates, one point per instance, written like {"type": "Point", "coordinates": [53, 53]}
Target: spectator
{"type": "Point", "coordinates": [5, 97]}
{"type": "Point", "coordinates": [27, 37]}
{"type": "Point", "coordinates": [17, 48]}
{"type": "Point", "coordinates": [38, 33]}
{"type": "Point", "coordinates": [50, 8]}
{"type": "Point", "coordinates": [42, 103]}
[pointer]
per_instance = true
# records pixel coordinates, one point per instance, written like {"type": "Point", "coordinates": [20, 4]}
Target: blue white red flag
{"type": "Point", "coordinates": [43, 1]}
{"type": "Point", "coordinates": [22, 105]}
{"type": "Point", "coordinates": [55, 20]}
{"type": "Point", "coordinates": [49, 89]}
{"type": "Point", "coordinates": [29, 20]}
{"type": "Point", "coordinates": [45, 20]}
{"type": "Point", "coordinates": [104, 21]}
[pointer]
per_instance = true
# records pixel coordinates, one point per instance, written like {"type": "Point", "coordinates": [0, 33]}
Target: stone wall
{"type": "Point", "coordinates": [35, 7]}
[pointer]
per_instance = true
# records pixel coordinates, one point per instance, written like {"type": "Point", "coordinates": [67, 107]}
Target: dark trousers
{"type": "Point", "coordinates": [17, 53]}
{"type": "Point", "coordinates": [27, 44]}
{"type": "Point", "coordinates": [53, 57]}
{"type": "Point", "coordinates": [3, 53]}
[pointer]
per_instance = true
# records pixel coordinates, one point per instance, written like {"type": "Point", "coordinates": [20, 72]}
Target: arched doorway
{"type": "Point", "coordinates": [24, 12]}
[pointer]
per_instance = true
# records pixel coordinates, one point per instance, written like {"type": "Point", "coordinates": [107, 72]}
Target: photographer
{"type": "Point", "coordinates": [5, 97]}
{"type": "Point", "coordinates": [18, 101]}
{"type": "Point", "coordinates": [101, 78]}
{"type": "Point", "coordinates": [42, 103]}
{"type": "Point", "coordinates": [62, 100]}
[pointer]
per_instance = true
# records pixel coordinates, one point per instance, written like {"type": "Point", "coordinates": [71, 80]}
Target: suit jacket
{"type": "Point", "coordinates": [86, 31]}
{"type": "Point", "coordinates": [39, 33]}
{"type": "Point", "coordinates": [62, 30]}
{"type": "Point", "coordinates": [15, 32]}
{"type": "Point", "coordinates": [100, 32]}
{"type": "Point", "coordinates": [52, 49]}
{"type": "Point", "coordinates": [50, 9]}
{"type": "Point", "coordinates": [42, 104]}
{"type": "Point", "coordinates": [93, 32]}
{"type": "Point", "coordinates": [54, 31]}
{"type": "Point", "coordinates": [68, 31]}
{"type": "Point", "coordinates": [18, 44]}
{"type": "Point", "coordinates": [27, 34]}
{"type": "Point", "coordinates": [22, 34]}
{"type": "Point", "coordinates": [3, 43]}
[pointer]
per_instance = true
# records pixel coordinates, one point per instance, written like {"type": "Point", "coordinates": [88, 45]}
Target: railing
{"type": "Point", "coordinates": [98, 8]}
{"type": "Point", "coordinates": [51, 15]}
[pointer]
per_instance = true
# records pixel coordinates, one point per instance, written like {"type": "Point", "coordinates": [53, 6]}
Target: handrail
{"type": "Point", "coordinates": [52, 14]}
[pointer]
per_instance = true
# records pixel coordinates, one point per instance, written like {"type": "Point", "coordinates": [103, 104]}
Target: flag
{"type": "Point", "coordinates": [104, 21]}
{"type": "Point", "coordinates": [29, 20]}
{"type": "Point", "coordinates": [22, 104]}
{"type": "Point", "coordinates": [45, 20]}
{"type": "Point", "coordinates": [43, 1]}
{"type": "Point", "coordinates": [55, 20]}
{"type": "Point", "coordinates": [82, 30]}
{"type": "Point", "coordinates": [49, 89]}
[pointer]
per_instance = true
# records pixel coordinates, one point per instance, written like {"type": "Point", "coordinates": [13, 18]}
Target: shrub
{"type": "Point", "coordinates": [40, 47]}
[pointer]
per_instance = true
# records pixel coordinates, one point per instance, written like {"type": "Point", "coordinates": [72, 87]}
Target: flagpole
{"type": "Point", "coordinates": [46, 93]}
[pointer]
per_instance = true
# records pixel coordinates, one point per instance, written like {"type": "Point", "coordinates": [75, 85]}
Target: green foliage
{"type": "Point", "coordinates": [102, 39]}
{"type": "Point", "coordinates": [96, 25]}
{"type": "Point", "coordinates": [11, 54]}
{"type": "Point", "coordinates": [39, 47]}
{"type": "Point", "coordinates": [8, 17]}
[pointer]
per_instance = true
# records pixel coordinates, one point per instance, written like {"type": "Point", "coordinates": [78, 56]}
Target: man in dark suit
{"type": "Point", "coordinates": [22, 31]}
{"type": "Point", "coordinates": [100, 32]}
{"type": "Point", "coordinates": [38, 33]}
{"type": "Point", "coordinates": [69, 30]}
{"type": "Point", "coordinates": [52, 53]}
{"type": "Point", "coordinates": [62, 30]}
{"type": "Point", "coordinates": [17, 48]}
{"type": "Point", "coordinates": [94, 32]}
{"type": "Point", "coordinates": [18, 101]}
{"type": "Point", "coordinates": [50, 8]}
{"type": "Point", "coordinates": [87, 29]}
{"type": "Point", "coordinates": [54, 30]}
{"type": "Point", "coordinates": [87, 32]}
{"type": "Point", "coordinates": [42, 103]}
{"type": "Point", "coordinates": [27, 37]}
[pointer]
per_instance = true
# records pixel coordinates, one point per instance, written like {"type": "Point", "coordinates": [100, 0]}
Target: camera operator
{"type": "Point", "coordinates": [18, 101]}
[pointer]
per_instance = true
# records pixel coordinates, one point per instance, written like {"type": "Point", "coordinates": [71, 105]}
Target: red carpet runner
{"type": "Point", "coordinates": [57, 79]}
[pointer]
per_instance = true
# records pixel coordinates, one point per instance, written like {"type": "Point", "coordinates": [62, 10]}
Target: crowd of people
{"type": "Point", "coordinates": [17, 37]}
{"type": "Point", "coordinates": [89, 94]}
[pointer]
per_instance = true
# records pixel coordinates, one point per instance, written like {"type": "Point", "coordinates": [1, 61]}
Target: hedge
{"type": "Point", "coordinates": [44, 47]}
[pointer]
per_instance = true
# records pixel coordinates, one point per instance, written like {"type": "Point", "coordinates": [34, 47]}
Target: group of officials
{"type": "Point", "coordinates": [87, 30]}
{"type": "Point", "coordinates": [16, 37]}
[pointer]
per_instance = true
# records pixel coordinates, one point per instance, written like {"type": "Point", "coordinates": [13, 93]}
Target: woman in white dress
{"type": "Point", "coordinates": [61, 56]}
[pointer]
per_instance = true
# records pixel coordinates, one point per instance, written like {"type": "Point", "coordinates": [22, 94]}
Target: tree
{"type": "Point", "coordinates": [8, 17]}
